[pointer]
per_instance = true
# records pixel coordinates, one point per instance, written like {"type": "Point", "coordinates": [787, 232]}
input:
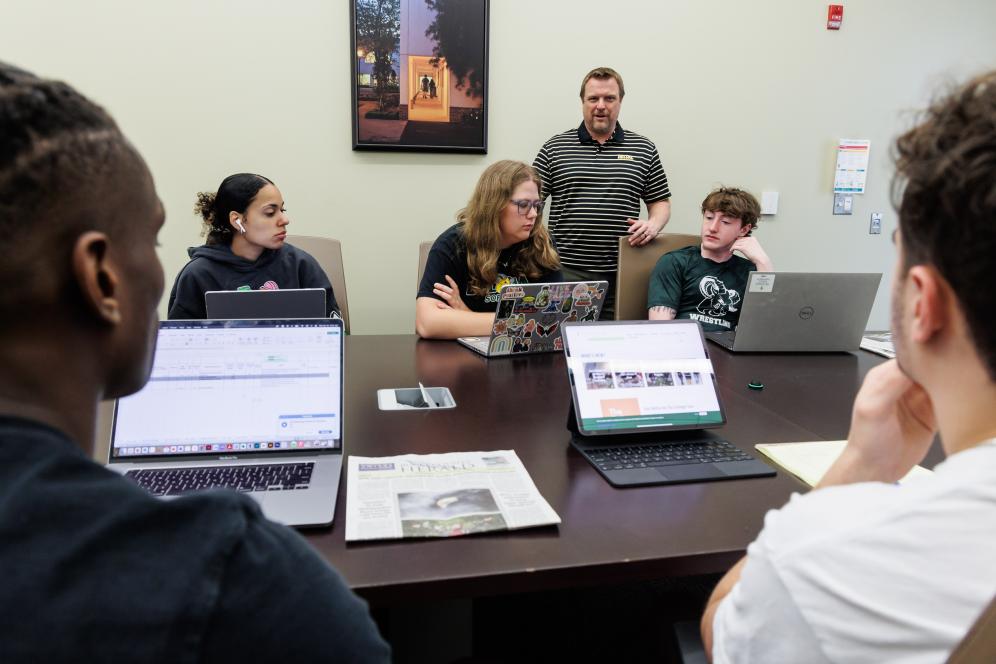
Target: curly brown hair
{"type": "Point", "coordinates": [945, 193]}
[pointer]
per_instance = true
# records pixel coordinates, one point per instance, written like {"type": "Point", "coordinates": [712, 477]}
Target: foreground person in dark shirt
{"type": "Point", "coordinates": [94, 568]}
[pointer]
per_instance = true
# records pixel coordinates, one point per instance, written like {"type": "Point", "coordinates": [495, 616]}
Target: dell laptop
{"type": "Point", "coordinates": [802, 312]}
{"type": "Point", "coordinates": [529, 317]}
{"type": "Point", "coordinates": [254, 406]}
{"type": "Point", "coordinates": [644, 397]}
{"type": "Point", "coordinates": [287, 303]}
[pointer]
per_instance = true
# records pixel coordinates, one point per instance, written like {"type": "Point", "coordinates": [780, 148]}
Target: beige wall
{"type": "Point", "coordinates": [750, 94]}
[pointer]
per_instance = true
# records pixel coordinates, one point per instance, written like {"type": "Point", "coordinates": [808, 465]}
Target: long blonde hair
{"type": "Point", "coordinates": [481, 225]}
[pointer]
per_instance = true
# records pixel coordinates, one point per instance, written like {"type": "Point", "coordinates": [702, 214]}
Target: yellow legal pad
{"type": "Point", "coordinates": [810, 461]}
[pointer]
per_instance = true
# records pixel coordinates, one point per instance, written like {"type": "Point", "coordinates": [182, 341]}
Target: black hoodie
{"type": "Point", "coordinates": [214, 267]}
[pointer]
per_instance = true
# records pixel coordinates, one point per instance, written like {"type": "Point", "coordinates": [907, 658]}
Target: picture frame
{"type": "Point", "coordinates": [420, 75]}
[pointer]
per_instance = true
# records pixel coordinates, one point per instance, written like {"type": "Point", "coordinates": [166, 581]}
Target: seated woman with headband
{"type": "Point", "coordinates": [246, 227]}
{"type": "Point", "coordinates": [499, 239]}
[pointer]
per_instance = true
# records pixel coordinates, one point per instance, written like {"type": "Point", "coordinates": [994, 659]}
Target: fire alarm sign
{"type": "Point", "coordinates": [835, 16]}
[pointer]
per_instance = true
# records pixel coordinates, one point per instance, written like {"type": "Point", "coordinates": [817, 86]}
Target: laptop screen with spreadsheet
{"type": "Point", "coordinates": [236, 387]}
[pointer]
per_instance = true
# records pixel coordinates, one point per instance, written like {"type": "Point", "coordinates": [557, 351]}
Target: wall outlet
{"type": "Point", "coordinates": [875, 228]}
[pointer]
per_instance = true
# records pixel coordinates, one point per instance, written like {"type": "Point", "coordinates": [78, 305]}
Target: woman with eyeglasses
{"type": "Point", "coordinates": [499, 239]}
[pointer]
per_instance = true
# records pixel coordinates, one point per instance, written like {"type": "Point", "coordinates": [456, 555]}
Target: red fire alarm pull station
{"type": "Point", "coordinates": [835, 16]}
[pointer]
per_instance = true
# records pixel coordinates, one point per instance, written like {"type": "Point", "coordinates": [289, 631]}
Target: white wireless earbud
{"type": "Point", "coordinates": [238, 224]}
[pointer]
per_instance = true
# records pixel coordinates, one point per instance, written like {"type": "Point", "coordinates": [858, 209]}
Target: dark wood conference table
{"type": "Point", "coordinates": [607, 535]}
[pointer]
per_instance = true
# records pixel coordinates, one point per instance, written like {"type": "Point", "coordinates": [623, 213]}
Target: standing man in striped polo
{"type": "Point", "coordinates": [597, 174]}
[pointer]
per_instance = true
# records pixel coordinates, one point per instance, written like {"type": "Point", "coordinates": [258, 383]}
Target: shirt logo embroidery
{"type": "Point", "coordinates": [495, 293]}
{"type": "Point", "coordinates": [718, 299]}
{"type": "Point", "coordinates": [270, 285]}
{"type": "Point", "coordinates": [715, 321]}
{"type": "Point", "coordinates": [625, 157]}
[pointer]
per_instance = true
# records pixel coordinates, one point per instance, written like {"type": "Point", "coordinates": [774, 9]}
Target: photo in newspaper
{"type": "Point", "coordinates": [459, 512]}
{"type": "Point", "coordinates": [441, 495]}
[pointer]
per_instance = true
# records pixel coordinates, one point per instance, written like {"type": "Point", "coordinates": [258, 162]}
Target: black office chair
{"type": "Point", "coordinates": [687, 635]}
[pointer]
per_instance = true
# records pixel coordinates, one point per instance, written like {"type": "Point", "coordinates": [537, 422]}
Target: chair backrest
{"type": "Point", "coordinates": [328, 253]}
{"type": "Point", "coordinates": [635, 266]}
{"type": "Point", "coordinates": [105, 418]}
{"type": "Point", "coordinates": [423, 256]}
{"type": "Point", "coordinates": [979, 645]}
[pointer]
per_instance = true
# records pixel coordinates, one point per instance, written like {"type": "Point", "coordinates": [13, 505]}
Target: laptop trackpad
{"type": "Point", "coordinates": [755, 466]}
{"type": "Point", "coordinates": [698, 471]}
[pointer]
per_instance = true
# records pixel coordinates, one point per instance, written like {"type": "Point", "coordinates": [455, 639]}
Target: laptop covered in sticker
{"type": "Point", "coordinates": [529, 317]}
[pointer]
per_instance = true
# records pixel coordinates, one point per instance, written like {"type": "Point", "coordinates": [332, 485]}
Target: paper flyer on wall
{"type": "Point", "coordinates": [851, 172]}
{"type": "Point", "coordinates": [441, 495]}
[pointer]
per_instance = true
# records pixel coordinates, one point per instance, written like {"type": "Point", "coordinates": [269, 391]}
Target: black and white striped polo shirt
{"type": "Point", "coordinates": [595, 189]}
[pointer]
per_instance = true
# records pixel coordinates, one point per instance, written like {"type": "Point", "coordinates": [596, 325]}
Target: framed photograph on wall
{"type": "Point", "coordinates": [420, 75]}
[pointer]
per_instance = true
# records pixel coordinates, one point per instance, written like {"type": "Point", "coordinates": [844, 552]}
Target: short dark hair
{"type": "Point", "coordinates": [735, 203]}
{"type": "Point", "coordinates": [603, 73]}
{"type": "Point", "coordinates": [54, 145]}
{"type": "Point", "coordinates": [235, 192]}
{"type": "Point", "coordinates": [945, 193]}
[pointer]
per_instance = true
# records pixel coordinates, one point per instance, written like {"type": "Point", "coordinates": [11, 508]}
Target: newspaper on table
{"type": "Point", "coordinates": [441, 495]}
{"type": "Point", "coordinates": [879, 343]}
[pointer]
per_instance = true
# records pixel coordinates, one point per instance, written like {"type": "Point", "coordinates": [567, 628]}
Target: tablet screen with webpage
{"type": "Point", "coordinates": [641, 376]}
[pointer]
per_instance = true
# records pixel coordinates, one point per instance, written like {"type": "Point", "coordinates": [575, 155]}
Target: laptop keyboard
{"type": "Point", "coordinates": [264, 477]}
{"type": "Point", "coordinates": [665, 454]}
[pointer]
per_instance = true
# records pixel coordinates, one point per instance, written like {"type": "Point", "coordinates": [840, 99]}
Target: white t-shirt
{"type": "Point", "coordinates": [868, 572]}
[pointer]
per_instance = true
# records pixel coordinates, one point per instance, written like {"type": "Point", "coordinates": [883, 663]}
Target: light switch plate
{"type": "Point", "coordinates": [769, 202]}
{"type": "Point", "coordinates": [843, 203]}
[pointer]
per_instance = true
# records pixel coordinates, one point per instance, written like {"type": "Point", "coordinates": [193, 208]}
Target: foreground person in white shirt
{"type": "Point", "coordinates": [863, 569]}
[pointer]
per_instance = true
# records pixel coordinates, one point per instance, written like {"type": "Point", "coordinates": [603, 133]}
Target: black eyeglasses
{"type": "Point", "coordinates": [524, 205]}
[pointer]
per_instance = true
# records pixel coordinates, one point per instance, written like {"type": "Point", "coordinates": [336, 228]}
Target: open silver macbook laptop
{"type": "Point", "coordinates": [255, 406]}
{"type": "Point", "coordinates": [287, 303]}
{"type": "Point", "coordinates": [802, 312]}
